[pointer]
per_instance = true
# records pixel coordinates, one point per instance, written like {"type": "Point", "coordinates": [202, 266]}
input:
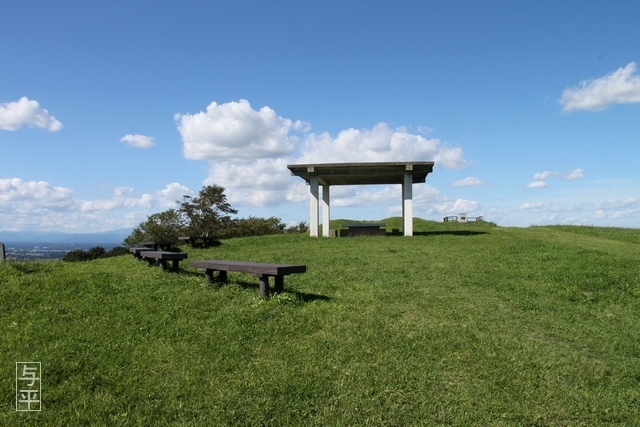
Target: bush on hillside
{"type": "Point", "coordinates": [76, 255]}
{"type": "Point", "coordinates": [116, 251]}
{"type": "Point", "coordinates": [96, 252]}
{"type": "Point", "coordinates": [254, 226]}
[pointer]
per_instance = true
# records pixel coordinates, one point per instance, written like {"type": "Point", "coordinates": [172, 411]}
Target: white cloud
{"type": "Point", "coordinates": [537, 184]}
{"type": "Point", "coordinates": [234, 132]}
{"type": "Point", "coordinates": [616, 208]}
{"type": "Point", "coordinates": [529, 206]}
{"type": "Point", "coordinates": [139, 141]}
{"type": "Point", "coordinates": [19, 196]}
{"type": "Point", "coordinates": [469, 182]}
{"type": "Point", "coordinates": [125, 198]}
{"type": "Point", "coordinates": [619, 87]}
{"type": "Point", "coordinates": [379, 144]}
{"type": "Point", "coordinates": [26, 112]}
{"type": "Point", "coordinates": [456, 206]}
{"type": "Point", "coordinates": [264, 182]}
{"type": "Point", "coordinates": [540, 176]}
{"type": "Point", "coordinates": [576, 174]}
{"type": "Point", "coordinates": [248, 152]}
{"type": "Point", "coordinates": [40, 206]}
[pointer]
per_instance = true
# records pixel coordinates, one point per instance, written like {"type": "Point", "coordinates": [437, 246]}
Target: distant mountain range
{"type": "Point", "coordinates": [113, 236]}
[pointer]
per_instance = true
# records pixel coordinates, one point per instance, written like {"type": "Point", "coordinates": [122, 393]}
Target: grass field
{"type": "Point", "coordinates": [462, 324]}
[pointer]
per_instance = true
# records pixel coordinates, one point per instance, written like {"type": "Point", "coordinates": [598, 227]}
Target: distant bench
{"type": "Point", "coordinates": [137, 252]}
{"type": "Point", "coordinates": [261, 270]}
{"type": "Point", "coordinates": [162, 257]}
{"type": "Point", "coordinates": [368, 229]}
{"type": "Point", "coordinates": [157, 244]}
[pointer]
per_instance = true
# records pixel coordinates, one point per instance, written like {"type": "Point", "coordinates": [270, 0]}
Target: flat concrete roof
{"type": "Point", "coordinates": [363, 173]}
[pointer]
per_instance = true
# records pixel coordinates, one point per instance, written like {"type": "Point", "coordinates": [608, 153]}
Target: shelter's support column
{"type": "Point", "coordinates": [326, 211]}
{"type": "Point", "coordinates": [407, 204]}
{"type": "Point", "coordinates": [313, 206]}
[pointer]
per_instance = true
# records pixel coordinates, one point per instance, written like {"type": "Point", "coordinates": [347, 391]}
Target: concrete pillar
{"type": "Point", "coordinates": [326, 211]}
{"type": "Point", "coordinates": [313, 206]}
{"type": "Point", "coordinates": [2, 252]}
{"type": "Point", "coordinates": [407, 204]}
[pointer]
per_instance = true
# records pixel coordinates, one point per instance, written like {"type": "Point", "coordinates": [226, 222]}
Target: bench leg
{"type": "Point", "coordinates": [176, 264]}
{"type": "Point", "coordinates": [208, 277]}
{"type": "Point", "coordinates": [264, 286]}
{"type": "Point", "coordinates": [278, 286]}
{"type": "Point", "coordinates": [162, 264]}
{"type": "Point", "coordinates": [149, 262]}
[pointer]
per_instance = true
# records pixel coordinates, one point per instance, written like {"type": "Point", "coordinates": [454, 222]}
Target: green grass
{"type": "Point", "coordinates": [462, 324]}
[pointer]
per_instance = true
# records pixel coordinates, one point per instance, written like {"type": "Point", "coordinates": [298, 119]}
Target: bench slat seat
{"type": "Point", "coordinates": [162, 257]}
{"type": "Point", "coordinates": [136, 252]}
{"type": "Point", "coordinates": [257, 269]}
{"type": "Point", "coordinates": [155, 244]}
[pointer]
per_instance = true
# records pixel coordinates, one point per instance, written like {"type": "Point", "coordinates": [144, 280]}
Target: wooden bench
{"type": "Point", "coordinates": [157, 244]}
{"type": "Point", "coordinates": [136, 252]}
{"type": "Point", "coordinates": [367, 229]}
{"type": "Point", "coordinates": [260, 270]}
{"type": "Point", "coordinates": [162, 257]}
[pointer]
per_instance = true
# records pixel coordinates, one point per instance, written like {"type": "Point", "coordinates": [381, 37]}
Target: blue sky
{"type": "Point", "coordinates": [113, 110]}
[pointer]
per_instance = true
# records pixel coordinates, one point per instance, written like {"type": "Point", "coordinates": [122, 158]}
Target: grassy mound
{"type": "Point", "coordinates": [462, 324]}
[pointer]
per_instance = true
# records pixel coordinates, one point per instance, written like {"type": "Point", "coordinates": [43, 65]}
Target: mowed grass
{"type": "Point", "coordinates": [462, 324]}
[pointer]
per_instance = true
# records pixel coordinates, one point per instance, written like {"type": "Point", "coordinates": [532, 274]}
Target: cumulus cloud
{"type": "Point", "coordinates": [618, 208]}
{"type": "Point", "coordinates": [379, 144]}
{"type": "Point", "coordinates": [540, 177]}
{"type": "Point", "coordinates": [530, 206]}
{"type": "Point", "coordinates": [126, 198]}
{"type": "Point", "coordinates": [31, 196]}
{"type": "Point", "coordinates": [456, 206]}
{"type": "Point", "coordinates": [236, 132]}
{"type": "Point", "coordinates": [469, 181]}
{"type": "Point", "coordinates": [619, 87]}
{"type": "Point", "coordinates": [138, 141]}
{"type": "Point", "coordinates": [26, 112]}
{"type": "Point", "coordinates": [248, 152]}
{"type": "Point", "coordinates": [45, 207]}
{"type": "Point", "coordinates": [537, 184]}
{"type": "Point", "coordinates": [576, 174]}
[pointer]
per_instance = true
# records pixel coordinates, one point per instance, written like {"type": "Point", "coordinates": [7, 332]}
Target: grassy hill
{"type": "Point", "coordinates": [462, 324]}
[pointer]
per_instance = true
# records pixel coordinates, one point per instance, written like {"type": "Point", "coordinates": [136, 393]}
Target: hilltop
{"type": "Point", "coordinates": [462, 324]}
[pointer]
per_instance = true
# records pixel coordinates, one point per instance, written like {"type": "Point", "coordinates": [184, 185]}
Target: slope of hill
{"type": "Point", "coordinates": [457, 325]}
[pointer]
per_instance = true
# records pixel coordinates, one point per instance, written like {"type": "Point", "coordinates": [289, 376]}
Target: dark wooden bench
{"type": "Point", "coordinates": [157, 244]}
{"type": "Point", "coordinates": [257, 269]}
{"type": "Point", "coordinates": [136, 252]}
{"type": "Point", "coordinates": [162, 257]}
{"type": "Point", "coordinates": [368, 229]}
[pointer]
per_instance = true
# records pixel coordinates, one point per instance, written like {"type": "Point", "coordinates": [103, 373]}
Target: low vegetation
{"type": "Point", "coordinates": [462, 324]}
{"type": "Point", "coordinates": [207, 215]}
{"type": "Point", "coordinates": [96, 252]}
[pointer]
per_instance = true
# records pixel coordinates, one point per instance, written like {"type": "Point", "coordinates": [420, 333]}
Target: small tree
{"type": "Point", "coordinates": [167, 225]}
{"type": "Point", "coordinates": [76, 255]}
{"type": "Point", "coordinates": [96, 252]}
{"type": "Point", "coordinates": [207, 215]}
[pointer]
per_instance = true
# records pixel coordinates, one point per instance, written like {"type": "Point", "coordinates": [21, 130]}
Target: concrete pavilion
{"type": "Point", "coordinates": [328, 174]}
